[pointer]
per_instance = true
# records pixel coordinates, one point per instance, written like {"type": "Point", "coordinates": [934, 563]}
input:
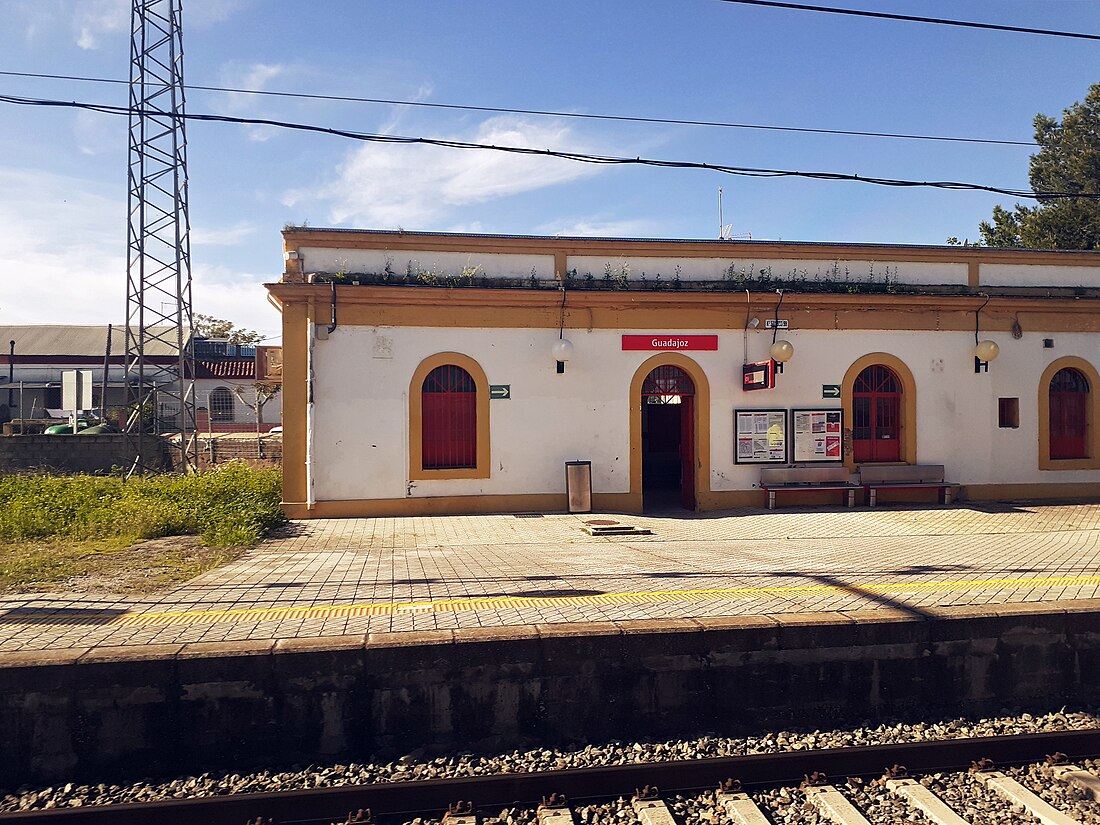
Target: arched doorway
{"type": "Point", "coordinates": [876, 415]}
{"type": "Point", "coordinates": [1069, 419]}
{"type": "Point", "coordinates": [668, 439]}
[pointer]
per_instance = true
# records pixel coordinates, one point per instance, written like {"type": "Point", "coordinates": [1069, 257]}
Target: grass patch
{"type": "Point", "coordinates": [111, 565]}
{"type": "Point", "coordinates": [57, 528]}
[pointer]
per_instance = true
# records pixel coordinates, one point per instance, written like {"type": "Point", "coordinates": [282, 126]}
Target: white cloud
{"type": "Point", "coordinates": [95, 18]}
{"type": "Point", "coordinates": [387, 185]}
{"type": "Point", "coordinates": [224, 236]}
{"type": "Point", "coordinates": [64, 259]}
{"type": "Point", "coordinates": [598, 228]}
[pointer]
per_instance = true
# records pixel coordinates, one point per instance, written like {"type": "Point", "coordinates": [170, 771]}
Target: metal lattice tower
{"type": "Point", "coordinates": [160, 390]}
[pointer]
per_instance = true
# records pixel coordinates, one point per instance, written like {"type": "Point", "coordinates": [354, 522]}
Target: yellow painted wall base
{"type": "Point", "coordinates": [454, 506]}
{"type": "Point", "coordinates": [712, 500]}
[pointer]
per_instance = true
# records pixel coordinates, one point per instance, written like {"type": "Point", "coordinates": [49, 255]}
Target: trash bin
{"type": "Point", "coordinates": [578, 486]}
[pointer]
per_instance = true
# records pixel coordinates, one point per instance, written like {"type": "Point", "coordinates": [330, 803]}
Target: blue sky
{"type": "Point", "coordinates": [63, 173]}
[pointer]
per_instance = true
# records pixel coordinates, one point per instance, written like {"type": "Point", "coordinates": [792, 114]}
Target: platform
{"type": "Point", "coordinates": [340, 577]}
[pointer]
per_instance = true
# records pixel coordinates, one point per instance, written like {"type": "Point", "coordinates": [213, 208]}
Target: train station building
{"type": "Point", "coordinates": [449, 373]}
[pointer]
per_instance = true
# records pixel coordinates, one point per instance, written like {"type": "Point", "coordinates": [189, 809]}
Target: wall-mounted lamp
{"type": "Point", "coordinates": [562, 351]}
{"type": "Point", "coordinates": [782, 351]}
{"type": "Point", "coordinates": [984, 351]}
{"type": "Point", "coordinates": [754, 323]}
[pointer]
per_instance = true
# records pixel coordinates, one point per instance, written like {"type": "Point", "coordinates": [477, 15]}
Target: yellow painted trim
{"type": "Point", "coordinates": [475, 307]}
{"type": "Point", "coordinates": [296, 331]}
{"type": "Point", "coordinates": [454, 505]}
{"type": "Point", "coordinates": [908, 424]}
{"type": "Point", "coordinates": [974, 274]}
{"type": "Point", "coordinates": [702, 424]}
{"type": "Point", "coordinates": [1038, 491]}
{"type": "Point", "coordinates": [416, 420]}
{"type": "Point", "coordinates": [1092, 438]}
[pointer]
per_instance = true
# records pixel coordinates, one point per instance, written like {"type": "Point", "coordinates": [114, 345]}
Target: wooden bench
{"type": "Point", "coordinates": [785, 479]}
{"type": "Point", "coordinates": [905, 477]}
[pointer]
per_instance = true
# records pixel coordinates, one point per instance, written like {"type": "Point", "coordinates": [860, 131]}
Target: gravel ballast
{"type": "Point", "coordinates": [415, 766]}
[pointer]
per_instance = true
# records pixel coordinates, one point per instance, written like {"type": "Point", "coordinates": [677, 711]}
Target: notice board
{"type": "Point", "coordinates": [760, 436]}
{"type": "Point", "coordinates": [817, 435]}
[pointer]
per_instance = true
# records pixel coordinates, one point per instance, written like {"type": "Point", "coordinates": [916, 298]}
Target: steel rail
{"type": "Point", "coordinates": [434, 795]}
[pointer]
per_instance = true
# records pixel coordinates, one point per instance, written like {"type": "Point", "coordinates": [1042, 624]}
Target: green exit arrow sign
{"type": "Point", "coordinates": [830, 390]}
{"type": "Point", "coordinates": [498, 392]}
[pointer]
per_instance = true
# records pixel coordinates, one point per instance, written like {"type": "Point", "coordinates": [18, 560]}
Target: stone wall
{"type": "Point", "coordinates": [69, 453]}
{"type": "Point", "coordinates": [110, 713]}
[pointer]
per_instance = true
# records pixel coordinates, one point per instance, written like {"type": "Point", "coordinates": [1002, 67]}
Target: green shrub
{"type": "Point", "coordinates": [232, 505]}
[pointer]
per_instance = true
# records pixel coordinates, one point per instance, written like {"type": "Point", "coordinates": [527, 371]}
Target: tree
{"type": "Point", "coordinates": [206, 326]}
{"type": "Point", "coordinates": [265, 391]}
{"type": "Point", "coordinates": [1068, 160]}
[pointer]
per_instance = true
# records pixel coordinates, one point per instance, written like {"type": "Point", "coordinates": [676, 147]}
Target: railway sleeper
{"type": "Point", "coordinates": [738, 805]}
{"type": "Point", "coordinates": [1079, 778]}
{"type": "Point", "coordinates": [1020, 796]}
{"type": "Point", "coordinates": [925, 801]}
{"type": "Point", "coordinates": [834, 805]}
{"type": "Point", "coordinates": [555, 810]}
{"type": "Point", "coordinates": [650, 808]}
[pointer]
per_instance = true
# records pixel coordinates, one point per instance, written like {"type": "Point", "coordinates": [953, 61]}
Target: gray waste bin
{"type": "Point", "coordinates": [578, 486]}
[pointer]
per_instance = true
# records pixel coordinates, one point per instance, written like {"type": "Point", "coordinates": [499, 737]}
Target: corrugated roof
{"type": "Point", "coordinates": [59, 339]}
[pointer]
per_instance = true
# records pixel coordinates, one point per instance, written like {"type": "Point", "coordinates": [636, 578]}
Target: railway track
{"type": "Point", "coordinates": [400, 801]}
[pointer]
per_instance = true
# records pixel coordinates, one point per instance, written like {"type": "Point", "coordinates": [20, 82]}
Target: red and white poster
{"type": "Point", "coordinates": [817, 435]}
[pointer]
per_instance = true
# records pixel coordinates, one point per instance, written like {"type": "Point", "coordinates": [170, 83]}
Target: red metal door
{"type": "Point", "coordinates": [1069, 395]}
{"type": "Point", "coordinates": [687, 452]}
{"type": "Point", "coordinates": [876, 414]}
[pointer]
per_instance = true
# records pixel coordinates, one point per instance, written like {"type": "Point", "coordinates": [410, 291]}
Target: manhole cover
{"type": "Point", "coordinates": [601, 522]}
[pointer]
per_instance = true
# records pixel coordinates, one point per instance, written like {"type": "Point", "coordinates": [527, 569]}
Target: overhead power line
{"type": "Point", "coordinates": [549, 113]}
{"type": "Point", "coordinates": [580, 157]}
{"type": "Point", "coordinates": [915, 19]}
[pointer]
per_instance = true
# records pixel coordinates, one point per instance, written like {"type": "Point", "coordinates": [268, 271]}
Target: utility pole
{"type": "Point", "coordinates": [159, 361]}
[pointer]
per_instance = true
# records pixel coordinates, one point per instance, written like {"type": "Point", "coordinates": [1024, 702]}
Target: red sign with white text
{"type": "Point", "coordinates": [667, 341]}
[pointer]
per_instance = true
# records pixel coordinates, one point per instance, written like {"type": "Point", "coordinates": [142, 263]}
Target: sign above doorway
{"type": "Point", "coordinates": [670, 341]}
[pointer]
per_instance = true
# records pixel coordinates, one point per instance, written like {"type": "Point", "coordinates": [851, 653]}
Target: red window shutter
{"type": "Point", "coordinates": [449, 420]}
{"type": "Point", "coordinates": [1069, 397]}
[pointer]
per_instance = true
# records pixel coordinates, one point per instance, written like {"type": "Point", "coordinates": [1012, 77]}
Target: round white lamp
{"type": "Point", "coordinates": [562, 349]}
{"type": "Point", "coordinates": [986, 350]}
{"type": "Point", "coordinates": [782, 351]}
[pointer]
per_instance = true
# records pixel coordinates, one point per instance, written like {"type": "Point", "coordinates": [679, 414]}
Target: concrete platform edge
{"type": "Point", "coordinates": [83, 715]}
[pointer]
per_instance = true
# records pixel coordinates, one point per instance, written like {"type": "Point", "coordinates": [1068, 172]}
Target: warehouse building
{"type": "Point", "coordinates": [448, 373]}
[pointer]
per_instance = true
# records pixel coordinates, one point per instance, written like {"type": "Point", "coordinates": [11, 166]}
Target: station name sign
{"type": "Point", "coordinates": [670, 341]}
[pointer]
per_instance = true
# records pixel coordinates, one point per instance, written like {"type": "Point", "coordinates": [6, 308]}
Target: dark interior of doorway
{"type": "Point", "coordinates": [661, 462]}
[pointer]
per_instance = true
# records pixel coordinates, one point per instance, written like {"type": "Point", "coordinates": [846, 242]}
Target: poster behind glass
{"type": "Point", "coordinates": [817, 435]}
{"type": "Point", "coordinates": [760, 436]}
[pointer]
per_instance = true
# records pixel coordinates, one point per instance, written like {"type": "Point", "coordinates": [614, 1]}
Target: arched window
{"type": "Point", "coordinates": [449, 419]}
{"type": "Point", "coordinates": [221, 404]}
{"type": "Point", "coordinates": [876, 415]}
{"type": "Point", "coordinates": [1069, 420]}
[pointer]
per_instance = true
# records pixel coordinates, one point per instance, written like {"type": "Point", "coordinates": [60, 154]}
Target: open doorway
{"type": "Point", "coordinates": [668, 440]}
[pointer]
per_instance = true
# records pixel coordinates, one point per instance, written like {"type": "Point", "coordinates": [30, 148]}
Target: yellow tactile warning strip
{"type": "Point", "coordinates": [262, 614]}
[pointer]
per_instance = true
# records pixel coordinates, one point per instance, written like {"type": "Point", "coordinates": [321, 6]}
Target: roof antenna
{"type": "Point", "coordinates": [725, 231]}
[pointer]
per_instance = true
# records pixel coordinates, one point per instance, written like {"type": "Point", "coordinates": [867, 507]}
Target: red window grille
{"type": "Point", "coordinates": [666, 381]}
{"type": "Point", "coordinates": [876, 414]}
{"type": "Point", "coordinates": [1069, 422]}
{"type": "Point", "coordinates": [448, 401]}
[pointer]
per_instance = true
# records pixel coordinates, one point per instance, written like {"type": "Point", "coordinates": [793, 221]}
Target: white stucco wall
{"type": "Point", "coordinates": [715, 269]}
{"type": "Point", "coordinates": [374, 261]}
{"type": "Point", "coordinates": [361, 451]}
{"type": "Point", "coordinates": [1021, 275]}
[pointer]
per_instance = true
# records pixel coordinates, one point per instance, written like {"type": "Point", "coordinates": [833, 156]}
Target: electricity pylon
{"type": "Point", "coordinates": [159, 374]}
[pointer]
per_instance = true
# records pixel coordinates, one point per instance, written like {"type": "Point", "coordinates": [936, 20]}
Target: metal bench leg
{"type": "Point", "coordinates": [946, 495]}
{"type": "Point", "coordinates": [771, 499]}
{"type": "Point", "coordinates": [851, 498]}
{"type": "Point", "coordinates": [872, 496]}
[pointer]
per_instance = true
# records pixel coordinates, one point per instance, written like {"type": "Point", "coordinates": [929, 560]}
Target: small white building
{"type": "Point", "coordinates": [422, 375]}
